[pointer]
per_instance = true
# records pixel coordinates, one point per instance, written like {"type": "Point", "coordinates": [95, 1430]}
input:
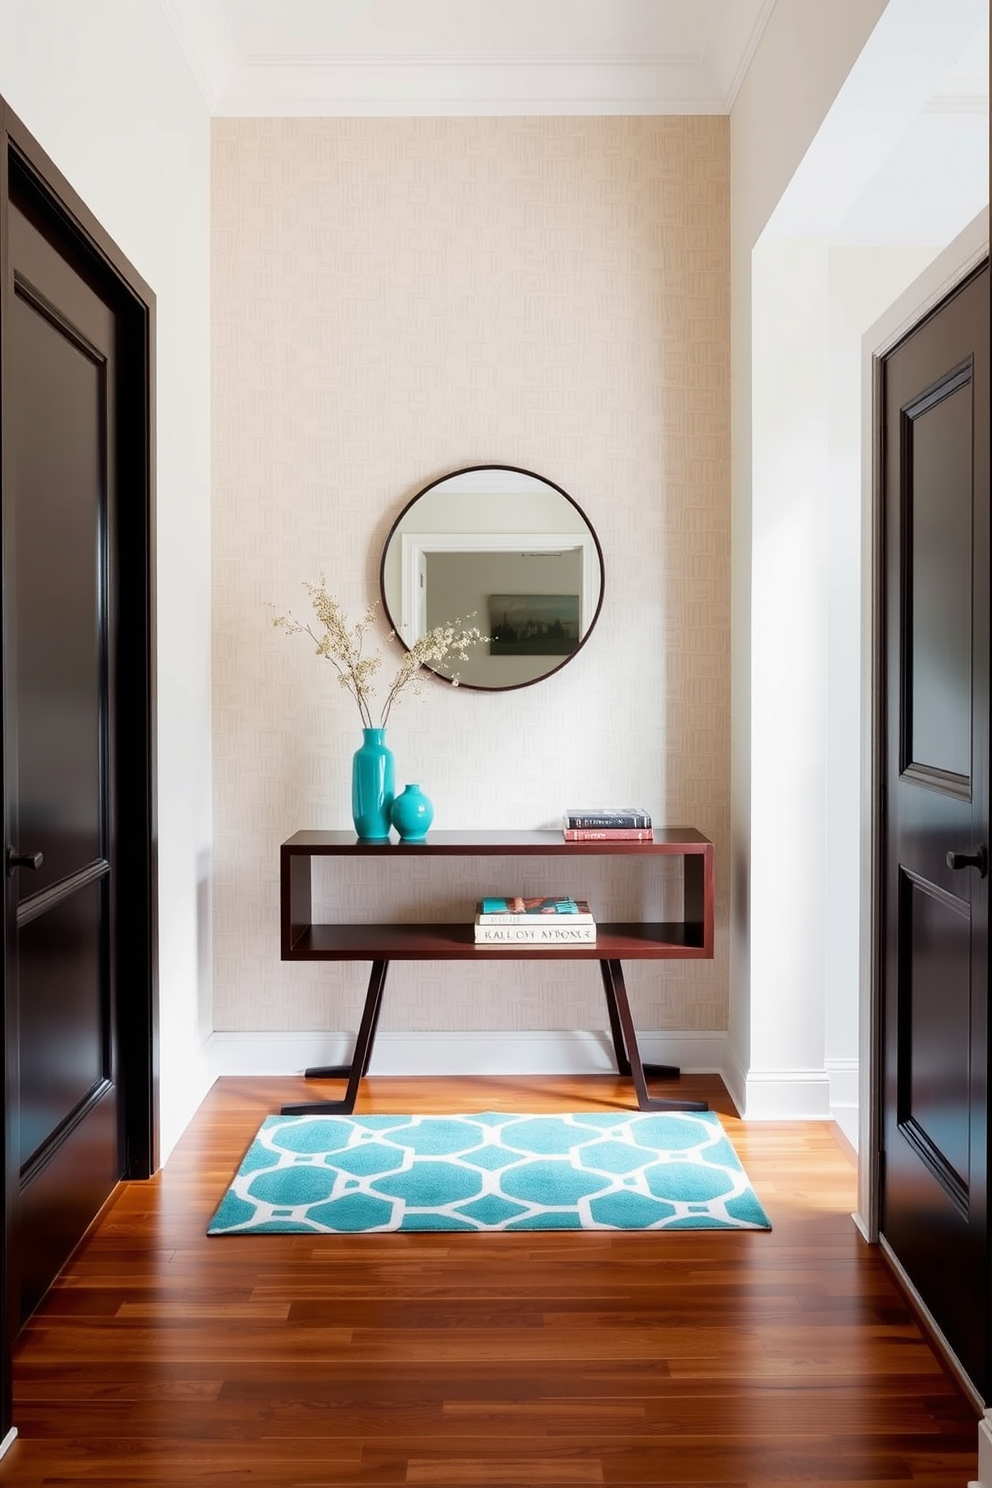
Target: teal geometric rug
{"type": "Point", "coordinates": [492, 1170]}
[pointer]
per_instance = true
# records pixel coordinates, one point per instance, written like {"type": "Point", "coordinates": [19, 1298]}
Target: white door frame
{"type": "Point", "coordinates": [948, 270]}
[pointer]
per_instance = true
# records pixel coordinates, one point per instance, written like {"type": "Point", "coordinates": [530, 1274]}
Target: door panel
{"type": "Point", "coordinates": [935, 1011]}
{"type": "Point", "coordinates": [938, 697]}
{"type": "Point", "coordinates": [64, 1194]}
{"type": "Point", "coordinates": [935, 469]}
{"type": "Point", "coordinates": [59, 401]}
{"type": "Point", "coordinates": [61, 993]}
{"type": "Point", "coordinates": [58, 622]}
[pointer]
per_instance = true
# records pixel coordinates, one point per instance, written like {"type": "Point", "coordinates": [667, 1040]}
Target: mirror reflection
{"type": "Point", "coordinates": [503, 549]}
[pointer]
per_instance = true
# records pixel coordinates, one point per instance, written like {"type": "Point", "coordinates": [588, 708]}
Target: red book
{"type": "Point", "coordinates": [608, 834]}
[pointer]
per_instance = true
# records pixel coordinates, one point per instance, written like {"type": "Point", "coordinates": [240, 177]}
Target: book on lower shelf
{"type": "Point", "coordinates": [517, 909]}
{"type": "Point", "coordinates": [606, 817]}
{"type": "Point", "coordinates": [538, 934]}
{"type": "Point", "coordinates": [608, 834]}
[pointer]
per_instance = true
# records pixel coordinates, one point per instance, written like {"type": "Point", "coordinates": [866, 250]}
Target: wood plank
{"type": "Point", "coordinates": [737, 1359]}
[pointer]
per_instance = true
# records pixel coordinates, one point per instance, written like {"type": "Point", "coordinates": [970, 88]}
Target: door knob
{"type": "Point", "coordinates": [23, 860]}
{"type": "Point", "coordinates": [978, 859]}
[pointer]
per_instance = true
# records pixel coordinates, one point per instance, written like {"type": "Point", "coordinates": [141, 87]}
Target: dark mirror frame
{"type": "Point", "coordinates": [516, 470]}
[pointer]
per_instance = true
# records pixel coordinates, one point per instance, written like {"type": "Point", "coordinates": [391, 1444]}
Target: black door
{"type": "Point", "coordinates": [76, 353]}
{"type": "Point", "coordinates": [935, 812]}
{"type": "Point", "coordinates": [59, 620]}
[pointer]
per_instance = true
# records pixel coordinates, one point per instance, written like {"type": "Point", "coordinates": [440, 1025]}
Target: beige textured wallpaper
{"type": "Point", "coordinates": [394, 299]}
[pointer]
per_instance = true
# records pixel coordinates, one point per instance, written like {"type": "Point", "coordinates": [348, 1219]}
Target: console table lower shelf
{"type": "Point", "coordinates": [622, 1032]}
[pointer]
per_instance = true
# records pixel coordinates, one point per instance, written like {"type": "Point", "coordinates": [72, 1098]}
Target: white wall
{"type": "Point", "coordinates": [789, 473]}
{"type": "Point", "coordinates": [105, 90]}
{"type": "Point", "coordinates": [861, 282]}
{"type": "Point", "coordinates": [797, 71]}
{"type": "Point", "coordinates": [800, 303]}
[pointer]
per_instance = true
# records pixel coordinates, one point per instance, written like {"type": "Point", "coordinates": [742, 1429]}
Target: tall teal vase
{"type": "Point", "coordinates": [373, 786]}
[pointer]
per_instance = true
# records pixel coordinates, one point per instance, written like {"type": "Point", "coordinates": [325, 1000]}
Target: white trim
{"type": "Point", "coordinates": [8, 1441]}
{"type": "Point", "coordinates": [787, 1095]}
{"type": "Point", "coordinates": [458, 90]}
{"type": "Point", "coordinates": [747, 56]}
{"type": "Point", "coordinates": [777, 1095]}
{"type": "Point", "coordinates": [940, 277]}
{"type": "Point", "coordinates": [843, 1077]}
{"type": "Point", "coordinates": [699, 73]}
{"type": "Point", "coordinates": [984, 1452]}
{"type": "Point", "coordinates": [957, 103]}
{"type": "Point", "coordinates": [207, 50]}
{"type": "Point", "coordinates": [500, 1052]}
{"type": "Point", "coordinates": [734, 1077]}
{"type": "Point", "coordinates": [948, 269]}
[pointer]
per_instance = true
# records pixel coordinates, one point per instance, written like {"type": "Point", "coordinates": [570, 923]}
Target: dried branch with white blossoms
{"type": "Point", "coordinates": [343, 645]}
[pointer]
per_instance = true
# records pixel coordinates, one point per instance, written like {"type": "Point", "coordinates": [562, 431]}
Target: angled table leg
{"type": "Point", "coordinates": [628, 1055]}
{"type": "Point", "coordinates": [360, 1059]}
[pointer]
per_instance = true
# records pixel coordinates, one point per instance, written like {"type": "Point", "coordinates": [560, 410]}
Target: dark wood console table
{"type": "Point", "coordinates": [690, 938]}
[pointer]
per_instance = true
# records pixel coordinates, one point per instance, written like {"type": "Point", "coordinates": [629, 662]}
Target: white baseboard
{"type": "Point", "coordinates": [184, 1098]}
{"type": "Point", "coordinates": [787, 1095]}
{"type": "Point", "coordinates": [984, 1453]}
{"type": "Point", "coordinates": [782, 1095]}
{"type": "Point", "coordinates": [844, 1096]}
{"type": "Point", "coordinates": [734, 1077]}
{"type": "Point", "coordinates": [538, 1052]}
{"type": "Point", "coordinates": [5, 1445]}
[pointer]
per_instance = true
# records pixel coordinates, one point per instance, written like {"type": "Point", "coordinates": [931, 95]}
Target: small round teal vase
{"type": "Point", "coordinates": [412, 814]}
{"type": "Point", "coordinates": [373, 786]}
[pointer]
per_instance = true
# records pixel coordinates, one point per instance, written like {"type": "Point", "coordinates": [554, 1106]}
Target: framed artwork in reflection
{"type": "Point", "coordinates": [533, 624]}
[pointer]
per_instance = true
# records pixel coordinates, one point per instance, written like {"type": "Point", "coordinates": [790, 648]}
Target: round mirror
{"type": "Point", "coordinates": [504, 550]}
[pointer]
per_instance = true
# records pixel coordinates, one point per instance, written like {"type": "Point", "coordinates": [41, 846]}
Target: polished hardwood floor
{"type": "Point", "coordinates": [737, 1360]}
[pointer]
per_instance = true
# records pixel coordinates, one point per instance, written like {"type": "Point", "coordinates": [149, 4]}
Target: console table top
{"type": "Point", "coordinates": [493, 843]}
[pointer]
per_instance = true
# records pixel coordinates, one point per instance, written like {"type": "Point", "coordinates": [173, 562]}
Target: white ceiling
{"type": "Point", "coordinates": [401, 57]}
{"type": "Point", "coordinates": [327, 58]}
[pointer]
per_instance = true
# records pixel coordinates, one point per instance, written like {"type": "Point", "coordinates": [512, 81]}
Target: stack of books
{"type": "Point", "coordinates": [554, 921]}
{"type": "Point", "coordinates": [607, 824]}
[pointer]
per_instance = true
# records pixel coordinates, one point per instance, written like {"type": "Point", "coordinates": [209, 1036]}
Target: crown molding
{"type": "Point", "coordinates": [211, 48]}
{"type": "Point", "coordinates": [957, 103]}
{"type": "Point", "coordinates": [701, 77]}
{"type": "Point", "coordinates": [746, 55]}
{"type": "Point", "coordinates": [460, 89]}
